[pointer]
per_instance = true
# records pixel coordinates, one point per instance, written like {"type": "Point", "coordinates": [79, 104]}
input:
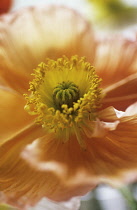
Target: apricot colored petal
{"type": "Point", "coordinates": [117, 150]}
{"type": "Point", "coordinates": [101, 128]}
{"type": "Point", "coordinates": [22, 185]}
{"type": "Point", "coordinates": [41, 153]}
{"type": "Point", "coordinates": [125, 137]}
{"type": "Point", "coordinates": [110, 157]}
{"type": "Point", "coordinates": [110, 114]}
{"type": "Point", "coordinates": [14, 171]}
{"type": "Point", "coordinates": [49, 31]}
{"type": "Point", "coordinates": [13, 117]}
{"type": "Point", "coordinates": [58, 170]}
{"type": "Point", "coordinates": [115, 59]}
{"type": "Point", "coordinates": [121, 94]}
{"type": "Point", "coordinates": [17, 142]}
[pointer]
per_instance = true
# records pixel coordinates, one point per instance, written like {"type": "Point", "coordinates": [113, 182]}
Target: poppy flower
{"type": "Point", "coordinates": [71, 130]}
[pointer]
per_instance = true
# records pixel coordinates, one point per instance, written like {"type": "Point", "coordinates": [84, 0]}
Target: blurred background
{"type": "Point", "coordinates": [106, 18]}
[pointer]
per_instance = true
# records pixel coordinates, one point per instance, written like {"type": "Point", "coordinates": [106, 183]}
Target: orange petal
{"type": "Point", "coordinates": [115, 59]}
{"type": "Point", "coordinates": [13, 117]}
{"type": "Point", "coordinates": [49, 31]}
{"type": "Point", "coordinates": [121, 94]}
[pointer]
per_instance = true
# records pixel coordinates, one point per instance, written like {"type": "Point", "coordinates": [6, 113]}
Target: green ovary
{"type": "Point", "coordinates": [65, 93]}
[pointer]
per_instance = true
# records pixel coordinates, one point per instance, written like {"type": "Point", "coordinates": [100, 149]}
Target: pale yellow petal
{"type": "Point", "coordinates": [31, 35]}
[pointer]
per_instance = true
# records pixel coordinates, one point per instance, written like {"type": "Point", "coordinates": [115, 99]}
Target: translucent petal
{"type": "Point", "coordinates": [115, 59]}
{"type": "Point", "coordinates": [30, 35]}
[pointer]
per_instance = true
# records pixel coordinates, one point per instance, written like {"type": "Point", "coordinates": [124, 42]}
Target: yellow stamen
{"type": "Point", "coordinates": [64, 94]}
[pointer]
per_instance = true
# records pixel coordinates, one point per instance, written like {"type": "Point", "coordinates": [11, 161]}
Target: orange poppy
{"type": "Point", "coordinates": [5, 6]}
{"type": "Point", "coordinates": [75, 131]}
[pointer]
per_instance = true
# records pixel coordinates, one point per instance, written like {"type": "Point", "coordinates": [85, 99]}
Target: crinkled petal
{"type": "Point", "coordinates": [30, 35]}
{"type": "Point", "coordinates": [13, 117]}
{"type": "Point", "coordinates": [23, 185]}
{"type": "Point", "coordinates": [110, 114]}
{"type": "Point", "coordinates": [111, 156]}
{"type": "Point", "coordinates": [115, 59]}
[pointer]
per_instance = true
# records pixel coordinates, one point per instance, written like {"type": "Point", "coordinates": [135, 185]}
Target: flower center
{"type": "Point", "coordinates": [65, 97]}
{"type": "Point", "coordinates": [65, 93]}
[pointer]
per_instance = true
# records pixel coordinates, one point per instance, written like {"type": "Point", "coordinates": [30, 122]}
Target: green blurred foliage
{"type": "Point", "coordinates": [112, 13]}
{"type": "Point", "coordinates": [6, 207]}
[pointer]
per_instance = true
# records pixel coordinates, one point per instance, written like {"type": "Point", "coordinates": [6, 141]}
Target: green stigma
{"type": "Point", "coordinates": [65, 93]}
